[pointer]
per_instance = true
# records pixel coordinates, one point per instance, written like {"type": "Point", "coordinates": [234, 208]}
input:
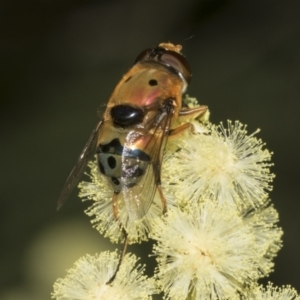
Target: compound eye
{"type": "Point", "coordinates": [178, 63]}
{"type": "Point", "coordinates": [168, 58]}
{"type": "Point", "coordinates": [143, 55]}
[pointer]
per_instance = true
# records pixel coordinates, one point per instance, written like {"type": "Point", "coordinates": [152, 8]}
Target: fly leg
{"type": "Point", "coordinates": [115, 205]}
{"type": "Point", "coordinates": [163, 199]}
{"type": "Point", "coordinates": [125, 244]}
{"type": "Point", "coordinates": [156, 169]}
{"type": "Point", "coordinates": [125, 234]}
{"type": "Point", "coordinates": [178, 130]}
{"type": "Point", "coordinates": [192, 113]}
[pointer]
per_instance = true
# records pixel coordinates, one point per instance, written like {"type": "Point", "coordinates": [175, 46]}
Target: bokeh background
{"type": "Point", "coordinates": [61, 59]}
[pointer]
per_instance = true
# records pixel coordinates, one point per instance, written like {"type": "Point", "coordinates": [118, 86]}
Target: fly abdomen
{"type": "Point", "coordinates": [122, 166]}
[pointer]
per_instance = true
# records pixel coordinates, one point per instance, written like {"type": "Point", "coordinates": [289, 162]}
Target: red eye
{"type": "Point", "coordinates": [178, 63]}
{"type": "Point", "coordinates": [171, 59]}
{"type": "Point", "coordinates": [144, 55]}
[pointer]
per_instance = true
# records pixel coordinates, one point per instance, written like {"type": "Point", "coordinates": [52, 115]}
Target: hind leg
{"type": "Point", "coordinates": [125, 243]}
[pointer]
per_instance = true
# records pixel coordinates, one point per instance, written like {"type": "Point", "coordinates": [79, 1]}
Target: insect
{"type": "Point", "coordinates": [130, 139]}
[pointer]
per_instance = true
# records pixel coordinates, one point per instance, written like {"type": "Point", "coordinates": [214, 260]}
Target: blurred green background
{"type": "Point", "coordinates": [61, 59]}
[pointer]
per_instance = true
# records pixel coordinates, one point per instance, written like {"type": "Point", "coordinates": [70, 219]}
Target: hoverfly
{"type": "Point", "coordinates": [130, 139]}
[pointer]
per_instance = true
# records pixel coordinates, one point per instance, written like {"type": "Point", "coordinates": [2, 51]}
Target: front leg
{"type": "Point", "coordinates": [193, 113]}
{"type": "Point", "coordinates": [187, 114]}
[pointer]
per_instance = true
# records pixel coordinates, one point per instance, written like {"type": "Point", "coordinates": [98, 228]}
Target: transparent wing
{"type": "Point", "coordinates": [74, 177]}
{"type": "Point", "coordinates": [139, 197]}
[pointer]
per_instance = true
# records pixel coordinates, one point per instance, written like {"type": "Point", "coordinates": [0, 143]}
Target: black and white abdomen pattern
{"type": "Point", "coordinates": [124, 167]}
